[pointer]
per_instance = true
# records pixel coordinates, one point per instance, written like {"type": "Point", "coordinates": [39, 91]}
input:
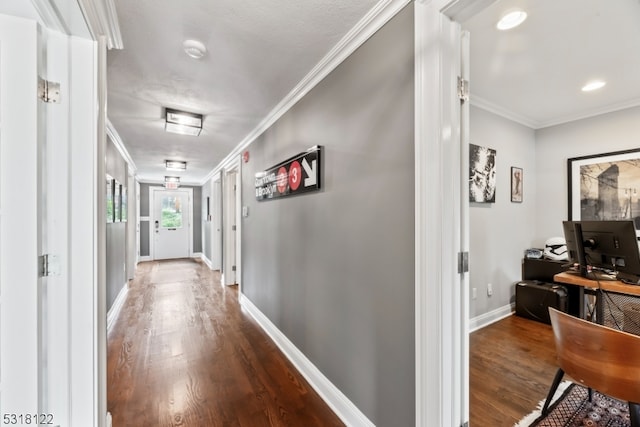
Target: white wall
{"type": "Point", "coordinates": [554, 145]}
{"type": "Point", "coordinates": [501, 231]}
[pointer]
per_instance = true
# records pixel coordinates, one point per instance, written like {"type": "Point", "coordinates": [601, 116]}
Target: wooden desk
{"type": "Point", "coordinates": [571, 278]}
{"type": "Point", "coordinates": [596, 287]}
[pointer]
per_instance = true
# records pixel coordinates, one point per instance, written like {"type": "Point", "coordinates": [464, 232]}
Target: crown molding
{"type": "Point", "coordinates": [112, 133]}
{"type": "Point", "coordinates": [591, 113]}
{"type": "Point", "coordinates": [379, 15]}
{"type": "Point", "coordinates": [482, 103]}
{"type": "Point", "coordinates": [489, 106]}
{"type": "Point", "coordinates": [50, 15]}
{"type": "Point", "coordinates": [102, 20]}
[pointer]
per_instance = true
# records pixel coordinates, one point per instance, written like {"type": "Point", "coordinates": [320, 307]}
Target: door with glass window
{"type": "Point", "coordinates": [171, 224]}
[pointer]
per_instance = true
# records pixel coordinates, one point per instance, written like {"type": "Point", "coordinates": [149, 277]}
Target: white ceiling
{"type": "Point", "coordinates": [534, 73]}
{"type": "Point", "coordinates": [259, 50]}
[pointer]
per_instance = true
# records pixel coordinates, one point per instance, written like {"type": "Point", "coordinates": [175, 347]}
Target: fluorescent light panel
{"type": "Point", "coordinates": [175, 165]}
{"type": "Point", "coordinates": [183, 123]}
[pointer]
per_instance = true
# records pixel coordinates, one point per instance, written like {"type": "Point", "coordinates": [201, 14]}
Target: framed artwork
{"type": "Point", "coordinates": [482, 174]}
{"type": "Point", "coordinates": [604, 186]}
{"type": "Point", "coordinates": [516, 184]}
{"type": "Point", "coordinates": [123, 203]}
{"type": "Point", "coordinates": [109, 189]}
{"type": "Point", "coordinates": [116, 201]}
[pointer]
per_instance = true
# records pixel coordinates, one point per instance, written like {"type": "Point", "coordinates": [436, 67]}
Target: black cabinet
{"type": "Point", "coordinates": [544, 270]}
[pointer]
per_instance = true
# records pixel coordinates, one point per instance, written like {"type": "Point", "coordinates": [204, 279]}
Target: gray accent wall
{"type": "Point", "coordinates": [116, 276]}
{"type": "Point", "coordinates": [334, 270]}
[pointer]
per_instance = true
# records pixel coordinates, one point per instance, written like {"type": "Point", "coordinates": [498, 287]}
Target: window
{"type": "Point", "coordinates": [171, 212]}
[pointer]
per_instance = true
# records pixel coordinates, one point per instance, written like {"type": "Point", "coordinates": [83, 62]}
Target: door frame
{"type": "Point", "coordinates": [153, 190]}
{"type": "Point", "coordinates": [233, 167]}
{"type": "Point", "coordinates": [216, 223]}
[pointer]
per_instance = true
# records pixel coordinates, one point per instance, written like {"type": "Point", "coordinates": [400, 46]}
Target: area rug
{"type": "Point", "coordinates": [572, 409]}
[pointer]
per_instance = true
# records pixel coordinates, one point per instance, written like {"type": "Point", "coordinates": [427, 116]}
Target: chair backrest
{"type": "Point", "coordinates": [605, 359]}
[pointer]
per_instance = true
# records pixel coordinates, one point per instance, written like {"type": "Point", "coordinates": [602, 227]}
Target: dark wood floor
{"type": "Point", "coordinates": [512, 365]}
{"type": "Point", "coordinates": [183, 353]}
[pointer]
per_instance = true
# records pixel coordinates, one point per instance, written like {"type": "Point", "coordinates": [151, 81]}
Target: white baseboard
{"type": "Point", "coordinates": [207, 261]}
{"type": "Point", "coordinates": [145, 259]}
{"type": "Point", "coordinates": [196, 255]}
{"type": "Point", "coordinates": [341, 405]}
{"type": "Point", "coordinates": [486, 319]}
{"type": "Point", "coordinates": [114, 311]}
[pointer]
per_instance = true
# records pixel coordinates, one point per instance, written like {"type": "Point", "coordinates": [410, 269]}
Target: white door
{"type": "Point", "coordinates": [20, 348]}
{"type": "Point", "coordinates": [171, 224]}
{"type": "Point", "coordinates": [229, 276]}
{"type": "Point", "coordinates": [216, 224]}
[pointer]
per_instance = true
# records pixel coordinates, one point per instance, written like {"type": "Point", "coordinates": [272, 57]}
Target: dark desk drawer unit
{"type": "Point", "coordinates": [533, 299]}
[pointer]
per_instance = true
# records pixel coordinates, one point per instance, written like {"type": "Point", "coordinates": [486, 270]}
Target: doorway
{"type": "Point", "coordinates": [231, 201]}
{"type": "Point", "coordinates": [171, 219]}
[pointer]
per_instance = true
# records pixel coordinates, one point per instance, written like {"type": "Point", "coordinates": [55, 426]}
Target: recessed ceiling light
{"type": "Point", "coordinates": [594, 85]}
{"type": "Point", "coordinates": [511, 20]}
{"type": "Point", "coordinates": [194, 48]}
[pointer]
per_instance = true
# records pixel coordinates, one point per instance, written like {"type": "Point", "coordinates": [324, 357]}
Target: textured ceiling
{"type": "Point", "coordinates": [258, 50]}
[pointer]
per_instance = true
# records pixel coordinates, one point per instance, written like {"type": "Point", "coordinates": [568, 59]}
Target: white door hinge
{"type": "Point", "coordinates": [48, 91]}
{"type": "Point", "coordinates": [463, 90]}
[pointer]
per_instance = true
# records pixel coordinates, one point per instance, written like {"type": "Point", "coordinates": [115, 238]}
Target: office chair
{"type": "Point", "coordinates": [598, 357]}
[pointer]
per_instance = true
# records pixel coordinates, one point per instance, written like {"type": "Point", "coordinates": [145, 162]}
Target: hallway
{"type": "Point", "coordinates": [183, 353]}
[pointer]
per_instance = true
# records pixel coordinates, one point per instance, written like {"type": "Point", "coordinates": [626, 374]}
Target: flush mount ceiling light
{"type": "Point", "coordinates": [593, 85]}
{"type": "Point", "coordinates": [511, 20]}
{"type": "Point", "coordinates": [194, 48]}
{"type": "Point", "coordinates": [175, 165]}
{"type": "Point", "coordinates": [183, 123]}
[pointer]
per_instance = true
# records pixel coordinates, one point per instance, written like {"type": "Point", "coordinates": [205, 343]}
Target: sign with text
{"type": "Point", "coordinates": [297, 175]}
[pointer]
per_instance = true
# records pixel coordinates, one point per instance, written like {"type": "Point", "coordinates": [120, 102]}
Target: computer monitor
{"type": "Point", "coordinates": [575, 248]}
{"type": "Point", "coordinates": [608, 245]}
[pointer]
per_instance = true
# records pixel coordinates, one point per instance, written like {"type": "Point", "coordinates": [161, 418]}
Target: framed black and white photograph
{"type": "Point", "coordinates": [604, 186]}
{"type": "Point", "coordinates": [482, 174]}
{"type": "Point", "coordinates": [516, 184]}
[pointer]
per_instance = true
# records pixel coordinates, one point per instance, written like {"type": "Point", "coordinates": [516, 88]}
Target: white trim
{"type": "Point", "coordinates": [479, 102]}
{"type": "Point", "coordinates": [145, 218]}
{"type": "Point", "coordinates": [145, 259]}
{"type": "Point", "coordinates": [117, 141]}
{"type": "Point", "coordinates": [591, 113]}
{"type": "Point", "coordinates": [482, 103]}
{"type": "Point", "coordinates": [197, 255]}
{"type": "Point", "coordinates": [114, 311]}
{"type": "Point", "coordinates": [50, 16]}
{"type": "Point", "coordinates": [207, 261]}
{"type": "Point", "coordinates": [361, 32]}
{"type": "Point", "coordinates": [102, 20]}
{"type": "Point", "coordinates": [493, 316]}
{"type": "Point", "coordinates": [339, 403]}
